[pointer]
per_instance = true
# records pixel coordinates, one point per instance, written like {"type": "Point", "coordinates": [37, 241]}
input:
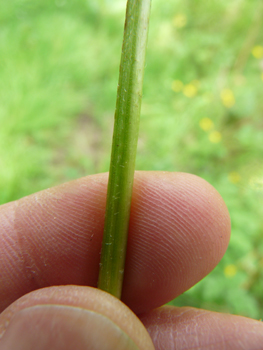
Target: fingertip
{"type": "Point", "coordinates": [180, 231]}
{"type": "Point", "coordinates": [59, 327]}
{"type": "Point", "coordinates": [71, 316]}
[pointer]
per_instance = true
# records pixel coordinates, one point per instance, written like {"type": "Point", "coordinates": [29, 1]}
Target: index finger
{"type": "Point", "coordinates": [179, 231]}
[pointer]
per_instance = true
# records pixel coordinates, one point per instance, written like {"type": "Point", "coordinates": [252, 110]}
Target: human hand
{"type": "Point", "coordinates": [179, 231]}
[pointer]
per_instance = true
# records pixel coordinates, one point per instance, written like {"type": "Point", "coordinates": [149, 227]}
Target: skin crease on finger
{"type": "Point", "coordinates": [179, 231]}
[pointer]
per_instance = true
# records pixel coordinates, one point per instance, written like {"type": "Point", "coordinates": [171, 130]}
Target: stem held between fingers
{"type": "Point", "coordinates": [124, 146]}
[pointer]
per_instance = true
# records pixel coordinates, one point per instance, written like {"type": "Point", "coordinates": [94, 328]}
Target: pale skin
{"type": "Point", "coordinates": [49, 261]}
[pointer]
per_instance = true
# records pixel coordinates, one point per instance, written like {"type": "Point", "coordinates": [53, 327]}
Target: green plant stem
{"type": "Point", "coordinates": [124, 145]}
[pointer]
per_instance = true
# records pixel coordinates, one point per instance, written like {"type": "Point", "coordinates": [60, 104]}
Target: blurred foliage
{"type": "Point", "coordinates": [201, 113]}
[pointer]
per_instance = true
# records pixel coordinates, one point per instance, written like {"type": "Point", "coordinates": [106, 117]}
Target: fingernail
{"type": "Point", "coordinates": [58, 327]}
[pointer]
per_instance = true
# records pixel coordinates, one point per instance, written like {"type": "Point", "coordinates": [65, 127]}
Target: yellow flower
{"type": "Point", "coordinates": [196, 83]}
{"type": "Point", "coordinates": [190, 90]}
{"type": "Point", "coordinates": [177, 85]}
{"type": "Point", "coordinates": [206, 124]}
{"type": "Point", "coordinates": [234, 177]}
{"type": "Point", "coordinates": [215, 137]}
{"type": "Point", "coordinates": [227, 98]}
{"type": "Point", "coordinates": [230, 270]}
{"type": "Point", "coordinates": [180, 20]}
{"type": "Point", "coordinates": [257, 51]}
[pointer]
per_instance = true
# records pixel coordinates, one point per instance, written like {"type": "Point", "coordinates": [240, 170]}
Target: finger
{"type": "Point", "coordinates": [70, 317]}
{"type": "Point", "coordinates": [179, 230]}
{"type": "Point", "coordinates": [188, 328]}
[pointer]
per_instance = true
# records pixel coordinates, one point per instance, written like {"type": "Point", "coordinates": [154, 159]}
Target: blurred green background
{"type": "Point", "coordinates": [201, 112]}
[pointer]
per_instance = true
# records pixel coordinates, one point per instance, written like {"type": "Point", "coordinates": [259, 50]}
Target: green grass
{"type": "Point", "coordinates": [59, 71]}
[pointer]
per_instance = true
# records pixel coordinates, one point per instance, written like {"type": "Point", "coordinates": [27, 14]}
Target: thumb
{"type": "Point", "coordinates": [71, 317]}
